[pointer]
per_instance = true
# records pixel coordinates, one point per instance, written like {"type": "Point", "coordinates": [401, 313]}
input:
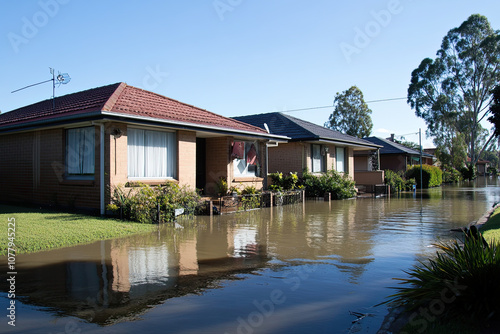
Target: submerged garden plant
{"type": "Point", "coordinates": [341, 186]}
{"type": "Point", "coordinates": [142, 202]}
{"type": "Point", "coordinates": [461, 282]}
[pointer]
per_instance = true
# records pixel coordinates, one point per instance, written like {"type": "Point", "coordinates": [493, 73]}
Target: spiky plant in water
{"type": "Point", "coordinates": [463, 280]}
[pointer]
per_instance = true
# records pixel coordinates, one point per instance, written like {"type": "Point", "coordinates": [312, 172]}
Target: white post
{"type": "Point", "coordinates": [101, 169]}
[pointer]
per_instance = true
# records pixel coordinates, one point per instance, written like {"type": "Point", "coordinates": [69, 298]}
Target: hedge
{"type": "Point", "coordinates": [432, 175]}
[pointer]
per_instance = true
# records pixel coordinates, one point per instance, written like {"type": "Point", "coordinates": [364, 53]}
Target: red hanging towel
{"type": "Point", "coordinates": [238, 150]}
{"type": "Point", "coordinates": [252, 158]}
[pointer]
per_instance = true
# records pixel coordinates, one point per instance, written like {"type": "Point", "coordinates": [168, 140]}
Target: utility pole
{"type": "Point", "coordinates": [420, 144]}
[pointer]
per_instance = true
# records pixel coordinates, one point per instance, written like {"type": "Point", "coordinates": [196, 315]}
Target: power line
{"type": "Point", "coordinates": [322, 107]}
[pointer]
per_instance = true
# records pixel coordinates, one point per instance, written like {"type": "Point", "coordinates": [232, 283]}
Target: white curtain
{"type": "Point", "coordinates": [151, 154]}
{"type": "Point", "coordinates": [80, 151]}
{"type": "Point", "coordinates": [340, 159]}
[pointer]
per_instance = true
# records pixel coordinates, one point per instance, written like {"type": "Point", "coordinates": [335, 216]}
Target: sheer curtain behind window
{"type": "Point", "coordinates": [340, 159]}
{"type": "Point", "coordinates": [151, 154]}
{"type": "Point", "coordinates": [80, 151]}
{"type": "Point", "coordinates": [317, 161]}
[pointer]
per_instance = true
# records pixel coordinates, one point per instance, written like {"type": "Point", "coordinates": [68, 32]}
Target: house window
{"type": "Point", "coordinates": [318, 159]}
{"type": "Point", "coordinates": [151, 154]}
{"type": "Point", "coordinates": [340, 158]}
{"type": "Point", "coordinates": [80, 152]}
{"type": "Point", "coordinates": [246, 159]}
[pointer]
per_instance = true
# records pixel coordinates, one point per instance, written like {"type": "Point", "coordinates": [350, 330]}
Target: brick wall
{"type": "Point", "coordinates": [294, 157]}
{"type": "Point", "coordinates": [186, 158]}
{"type": "Point", "coordinates": [217, 164]}
{"type": "Point", "coordinates": [116, 160]}
{"type": "Point", "coordinates": [393, 162]}
{"type": "Point", "coordinates": [286, 158]}
{"type": "Point", "coordinates": [32, 168]}
{"type": "Point", "coordinates": [350, 162]}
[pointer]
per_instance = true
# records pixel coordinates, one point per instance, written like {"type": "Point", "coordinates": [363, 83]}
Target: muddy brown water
{"type": "Point", "coordinates": [302, 268]}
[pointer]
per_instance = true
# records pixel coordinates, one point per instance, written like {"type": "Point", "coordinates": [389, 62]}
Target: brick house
{"type": "Point", "coordinates": [72, 150]}
{"type": "Point", "coordinates": [316, 148]}
{"type": "Point", "coordinates": [397, 157]}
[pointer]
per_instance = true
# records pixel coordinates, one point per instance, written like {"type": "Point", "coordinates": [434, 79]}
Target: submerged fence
{"type": "Point", "coordinates": [238, 203]}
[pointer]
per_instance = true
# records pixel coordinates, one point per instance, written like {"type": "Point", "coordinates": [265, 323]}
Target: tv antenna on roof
{"type": "Point", "coordinates": [60, 79]}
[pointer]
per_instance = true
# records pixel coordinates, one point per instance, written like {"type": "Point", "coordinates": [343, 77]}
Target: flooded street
{"type": "Point", "coordinates": [293, 269]}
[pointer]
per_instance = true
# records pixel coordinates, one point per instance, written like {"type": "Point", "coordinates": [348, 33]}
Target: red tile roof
{"type": "Point", "coordinates": [125, 100]}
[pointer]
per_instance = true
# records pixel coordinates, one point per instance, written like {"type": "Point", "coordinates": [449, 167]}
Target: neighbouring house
{"type": "Point", "coordinates": [72, 150]}
{"type": "Point", "coordinates": [481, 166]}
{"type": "Point", "coordinates": [397, 157]}
{"type": "Point", "coordinates": [317, 149]}
{"type": "Point", "coordinates": [435, 160]}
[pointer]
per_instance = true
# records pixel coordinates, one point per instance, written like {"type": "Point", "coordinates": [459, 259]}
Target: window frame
{"type": "Point", "coordinates": [322, 159]}
{"type": "Point", "coordinates": [256, 170]}
{"type": "Point", "coordinates": [344, 161]}
{"type": "Point", "coordinates": [71, 152]}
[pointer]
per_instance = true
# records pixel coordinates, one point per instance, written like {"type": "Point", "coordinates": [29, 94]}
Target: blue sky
{"type": "Point", "coordinates": [232, 57]}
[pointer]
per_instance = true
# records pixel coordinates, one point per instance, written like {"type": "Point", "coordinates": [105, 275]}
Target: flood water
{"type": "Point", "coordinates": [292, 269]}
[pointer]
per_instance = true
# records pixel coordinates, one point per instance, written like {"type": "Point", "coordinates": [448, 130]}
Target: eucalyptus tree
{"type": "Point", "coordinates": [351, 114]}
{"type": "Point", "coordinates": [452, 92]}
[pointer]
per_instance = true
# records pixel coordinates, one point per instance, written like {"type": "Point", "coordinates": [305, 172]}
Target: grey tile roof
{"type": "Point", "coordinates": [390, 147]}
{"type": "Point", "coordinates": [300, 130]}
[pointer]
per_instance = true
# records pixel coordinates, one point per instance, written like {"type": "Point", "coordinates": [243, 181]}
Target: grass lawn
{"type": "Point", "coordinates": [491, 230]}
{"type": "Point", "coordinates": [39, 229]}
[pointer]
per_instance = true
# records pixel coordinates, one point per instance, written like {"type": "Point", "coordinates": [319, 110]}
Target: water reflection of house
{"type": "Point", "coordinates": [113, 280]}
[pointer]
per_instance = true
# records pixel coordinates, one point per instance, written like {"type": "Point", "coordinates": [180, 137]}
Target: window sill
{"type": "Point", "coordinates": [248, 179]}
{"type": "Point", "coordinates": [137, 182]}
{"type": "Point", "coordinates": [86, 183]}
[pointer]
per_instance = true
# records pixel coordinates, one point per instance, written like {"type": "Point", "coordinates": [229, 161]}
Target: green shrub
{"type": "Point", "coordinates": [141, 204]}
{"type": "Point", "coordinates": [221, 186]}
{"type": "Point", "coordinates": [492, 170]}
{"type": "Point", "coordinates": [283, 183]}
{"type": "Point", "coordinates": [250, 202]}
{"type": "Point", "coordinates": [461, 281]}
{"type": "Point", "coordinates": [432, 175]}
{"type": "Point", "coordinates": [339, 185]}
{"type": "Point", "coordinates": [469, 172]}
{"type": "Point", "coordinates": [249, 190]}
{"type": "Point", "coordinates": [397, 182]}
{"type": "Point", "coordinates": [451, 175]}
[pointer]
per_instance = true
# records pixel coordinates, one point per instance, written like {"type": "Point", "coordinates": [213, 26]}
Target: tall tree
{"type": "Point", "coordinates": [452, 93]}
{"type": "Point", "coordinates": [351, 114]}
{"type": "Point", "coordinates": [495, 110]}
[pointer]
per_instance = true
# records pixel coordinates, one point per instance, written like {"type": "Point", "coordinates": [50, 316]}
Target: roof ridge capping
{"type": "Point", "coordinates": [111, 101]}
